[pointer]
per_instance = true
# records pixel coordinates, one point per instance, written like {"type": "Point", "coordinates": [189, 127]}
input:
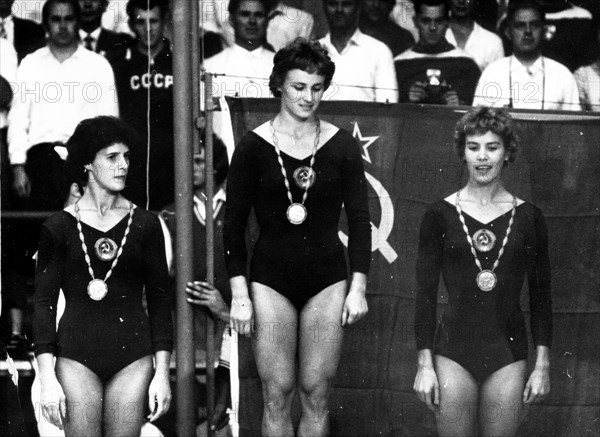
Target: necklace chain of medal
{"type": "Point", "coordinates": [484, 242]}
{"type": "Point", "coordinates": [106, 250]}
{"type": "Point", "coordinates": [303, 176]}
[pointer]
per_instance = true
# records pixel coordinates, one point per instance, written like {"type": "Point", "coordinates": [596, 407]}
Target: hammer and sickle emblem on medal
{"type": "Point", "coordinates": [380, 234]}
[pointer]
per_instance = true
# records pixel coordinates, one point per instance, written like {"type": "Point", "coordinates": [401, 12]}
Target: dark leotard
{"type": "Point", "coordinates": [298, 261]}
{"type": "Point", "coordinates": [482, 331]}
{"type": "Point", "coordinates": [109, 334]}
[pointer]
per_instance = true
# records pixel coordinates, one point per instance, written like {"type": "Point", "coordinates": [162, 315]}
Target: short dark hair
{"type": "Point", "coordinates": [48, 5]}
{"type": "Point", "coordinates": [146, 5]}
{"type": "Point", "coordinates": [309, 56]}
{"type": "Point", "coordinates": [91, 136]}
{"type": "Point", "coordinates": [419, 3]}
{"type": "Point", "coordinates": [234, 5]}
{"type": "Point", "coordinates": [517, 5]}
{"type": "Point", "coordinates": [482, 119]}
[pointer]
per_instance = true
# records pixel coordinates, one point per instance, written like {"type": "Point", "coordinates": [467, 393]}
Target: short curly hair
{"type": "Point", "coordinates": [309, 56]}
{"type": "Point", "coordinates": [91, 136]}
{"type": "Point", "coordinates": [482, 119]}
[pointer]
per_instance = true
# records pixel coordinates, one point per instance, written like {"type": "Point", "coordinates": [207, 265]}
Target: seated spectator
{"type": "Point", "coordinates": [375, 21]}
{"type": "Point", "coordinates": [287, 23]}
{"type": "Point", "coordinates": [57, 86]}
{"type": "Point", "coordinates": [568, 35]}
{"type": "Point", "coordinates": [527, 79]}
{"type": "Point", "coordinates": [364, 69]}
{"type": "Point", "coordinates": [433, 70]}
{"type": "Point", "coordinates": [26, 36]}
{"type": "Point", "coordinates": [145, 87]}
{"type": "Point", "coordinates": [463, 32]}
{"type": "Point", "coordinates": [588, 80]}
{"type": "Point", "coordinates": [244, 68]}
{"type": "Point", "coordinates": [112, 45]}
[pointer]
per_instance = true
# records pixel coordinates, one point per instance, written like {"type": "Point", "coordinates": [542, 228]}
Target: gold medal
{"type": "Point", "coordinates": [304, 177]}
{"type": "Point", "coordinates": [296, 213]}
{"type": "Point", "coordinates": [97, 289]}
{"type": "Point", "coordinates": [486, 280]}
{"type": "Point", "coordinates": [484, 240]}
{"type": "Point", "coordinates": [106, 249]}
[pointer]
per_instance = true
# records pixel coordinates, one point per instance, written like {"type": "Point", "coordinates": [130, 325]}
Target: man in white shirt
{"type": "Point", "coordinates": [484, 46]}
{"type": "Point", "coordinates": [364, 69]}
{"type": "Point", "coordinates": [57, 86]}
{"type": "Point", "coordinates": [527, 79]}
{"type": "Point", "coordinates": [243, 69]}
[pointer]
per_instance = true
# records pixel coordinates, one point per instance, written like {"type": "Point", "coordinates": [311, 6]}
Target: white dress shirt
{"type": "Point", "coordinates": [241, 72]}
{"type": "Point", "coordinates": [588, 82]}
{"type": "Point", "coordinates": [8, 70]}
{"type": "Point", "coordinates": [287, 23]}
{"type": "Point", "coordinates": [364, 70]}
{"type": "Point", "coordinates": [53, 97]}
{"type": "Point", "coordinates": [484, 46]}
{"type": "Point", "coordinates": [546, 84]}
{"type": "Point", "coordinates": [95, 35]}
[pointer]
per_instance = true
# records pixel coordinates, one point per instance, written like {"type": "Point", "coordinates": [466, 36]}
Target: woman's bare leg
{"type": "Point", "coordinates": [501, 403]}
{"type": "Point", "coordinates": [459, 398]}
{"type": "Point", "coordinates": [83, 391]}
{"type": "Point", "coordinates": [125, 399]}
{"type": "Point", "coordinates": [321, 336]}
{"type": "Point", "coordinates": [275, 344]}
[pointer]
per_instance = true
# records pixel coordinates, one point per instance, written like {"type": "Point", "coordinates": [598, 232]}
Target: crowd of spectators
{"type": "Point", "coordinates": [531, 54]}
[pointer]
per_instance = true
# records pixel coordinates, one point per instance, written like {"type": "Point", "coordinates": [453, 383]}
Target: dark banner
{"type": "Point", "coordinates": [409, 162]}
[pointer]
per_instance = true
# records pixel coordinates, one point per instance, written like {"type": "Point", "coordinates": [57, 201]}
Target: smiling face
{"type": "Point", "coordinates": [62, 25]}
{"type": "Point", "coordinates": [485, 156]}
{"type": "Point", "coordinates": [432, 22]}
{"type": "Point", "coordinates": [109, 168]}
{"type": "Point", "coordinates": [301, 93]}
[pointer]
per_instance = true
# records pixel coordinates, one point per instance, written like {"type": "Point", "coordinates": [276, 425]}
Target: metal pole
{"type": "Point", "coordinates": [210, 249]}
{"type": "Point", "coordinates": [183, 123]}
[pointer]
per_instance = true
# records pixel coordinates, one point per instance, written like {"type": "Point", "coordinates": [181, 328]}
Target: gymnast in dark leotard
{"type": "Point", "coordinates": [105, 254]}
{"type": "Point", "coordinates": [472, 365]}
{"type": "Point", "coordinates": [296, 172]}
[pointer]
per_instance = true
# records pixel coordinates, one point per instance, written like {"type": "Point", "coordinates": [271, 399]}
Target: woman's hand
{"type": "Point", "coordinates": [159, 392]}
{"type": "Point", "coordinates": [242, 311]}
{"type": "Point", "coordinates": [54, 403]}
{"type": "Point", "coordinates": [538, 384]}
{"type": "Point", "coordinates": [355, 305]}
{"type": "Point", "coordinates": [242, 315]}
{"type": "Point", "coordinates": [427, 387]}
{"type": "Point", "coordinates": [203, 294]}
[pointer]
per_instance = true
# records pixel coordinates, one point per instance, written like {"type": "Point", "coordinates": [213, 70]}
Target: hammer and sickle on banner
{"type": "Point", "coordinates": [379, 234]}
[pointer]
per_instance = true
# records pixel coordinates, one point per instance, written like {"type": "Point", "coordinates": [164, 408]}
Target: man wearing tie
{"type": "Point", "coordinates": [111, 45]}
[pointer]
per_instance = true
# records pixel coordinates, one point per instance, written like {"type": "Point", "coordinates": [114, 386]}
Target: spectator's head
{"type": "Point", "coordinates": [61, 20]}
{"type": "Point", "coordinates": [220, 163]}
{"type": "Point", "coordinates": [461, 9]}
{"type": "Point", "coordinates": [300, 54]}
{"type": "Point", "coordinates": [376, 11]}
{"type": "Point", "coordinates": [249, 19]}
{"type": "Point", "coordinates": [342, 15]}
{"type": "Point", "coordinates": [6, 8]}
{"type": "Point", "coordinates": [431, 20]}
{"type": "Point", "coordinates": [481, 120]}
{"type": "Point", "coordinates": [524, 27]}
{"type": "Point", "coordinates": [147, 20]}
{"type": "Point", "coordinates": [92, 136]}
{"type": "Point", "coordinates": [91, 13]}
